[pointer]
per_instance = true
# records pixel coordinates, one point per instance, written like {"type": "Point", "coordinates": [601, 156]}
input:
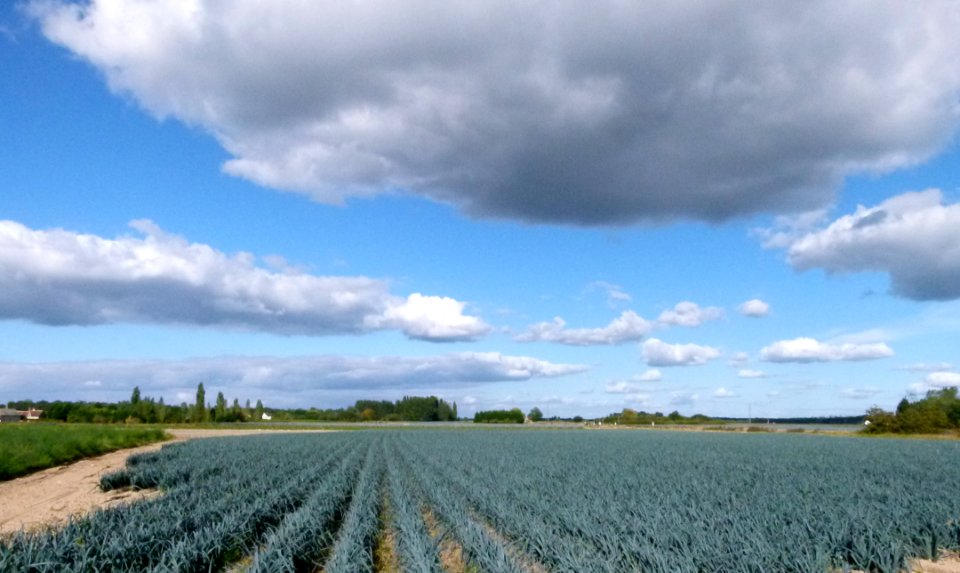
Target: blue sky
{"type": "Point", "coordinates": [506, 206]}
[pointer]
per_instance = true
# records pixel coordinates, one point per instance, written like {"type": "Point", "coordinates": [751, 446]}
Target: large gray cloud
{"type": "Point", "coordinates": [914, 237]}
{"type": "Point", "coordinates": [293, 381]}
{"type": "Point", "coordinates": [561, 112]}
{"type": "Point", "coordinates": [60, 277]}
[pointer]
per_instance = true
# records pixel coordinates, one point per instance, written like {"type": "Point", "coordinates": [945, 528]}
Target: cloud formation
{"type": "Point", "coordinates": [659, 353]}
{"type": "Point", "coordinates": [59, 277]}
{"type": "Point", "coordinates": [859, 393]}
{"type": "Point", "coordinates": [615, 293]}
{"type": "Point", "coordinates": [635, 383]}
{"type": "Point", "coordinates": [295, 381]}
{"type": "Point", "coordinates": [943, 379]}
{"type": "Point", "coordinates": [755, 308]}
{"type": "Point", "coordinates": [628, 327]}
{"type": "Point", "coordinates": [748, 373]}
{"type": "Point", "coordinates": [607, 113]}
{"type": "Point", "coordinates": [912, 237]}
{"type": "Point", "coordinates": [811, 350]}
{"type": "Point", "coordinates": [688, 313]}
{"type": "Point", "coordinates": [724, 393]}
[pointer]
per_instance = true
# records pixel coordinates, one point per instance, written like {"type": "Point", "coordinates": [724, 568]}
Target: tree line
{"type": "Point", "coordinates": [141, 409]}
{"type": "Point", "coordinates": [631, 417]}
{"type": "Point", "coordinates": [154, 411]}
{"type": "Point", "coordinates": [936, 412]}
{"type": "Point", "coordinates": [407, 409]}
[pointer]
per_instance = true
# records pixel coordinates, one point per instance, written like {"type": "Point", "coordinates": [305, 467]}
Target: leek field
{"type": "Point", "coordinates": [511, 501]}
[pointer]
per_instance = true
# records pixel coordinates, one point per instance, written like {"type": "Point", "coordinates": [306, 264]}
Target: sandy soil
{"type": "Point", "coordinates": [946, 564]}
{"type": "Point", "coordinates": [49, 497]}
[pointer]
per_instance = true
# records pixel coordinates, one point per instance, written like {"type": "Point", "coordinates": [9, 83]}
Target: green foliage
{"type": "Point", "coordinates": [535, 414]}
{"type": "Point", "coordinates": [937, 412]}
{"type": "Point", "coordinates": [513, 416]}
{"type": "Point", "coordinates": [26, 448]}
{"type": "Point", "coordinates": [633, 418]}
{"type": "Point", "coordinates": [139, 409]}
{"type": "Point", "coordinates": [200, 414]}
{"type": "Point", "coordinates": [408, 409]}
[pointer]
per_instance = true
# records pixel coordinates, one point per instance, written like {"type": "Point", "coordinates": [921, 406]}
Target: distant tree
{"type": "Point", "coordinates": [258, 412]}
{"type": "Point", "coordinates": [135, 397]}
{"type": "Point", "coordinates": [200, 414]}
{"type": "Point", "coordinates": [939, 410]}
{"type": "Point", "coordinates": [368, 415]}
{"type": "Point", "coordinates": [160, 411]}
{"type": "Point", "coordinates": [220, 410]}
{"type": "Point", "coordinates": [512, 416]}
{"type": "Point", "coordinates": [535, 414]}
{"type": "Point", "coordinates": [236, 412]}
{"type": "Point", "coordinates": [879, 421]}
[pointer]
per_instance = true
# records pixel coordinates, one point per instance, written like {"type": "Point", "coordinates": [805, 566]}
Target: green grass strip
{"type": "Point", "coordinates": [30, 447]}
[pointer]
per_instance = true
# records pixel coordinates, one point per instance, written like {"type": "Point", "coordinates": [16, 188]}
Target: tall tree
{"type": "Point", "coordinates": [258, 412]}
{"type": "Point", "coordinates": [220, 410]}
{"type": "Point", "coordinates": [200, 413]}
{"type": "Point", "coordinates": [135, 397]}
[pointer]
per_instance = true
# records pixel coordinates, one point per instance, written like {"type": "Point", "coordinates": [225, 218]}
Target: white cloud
{"type": "Point", "coordinates": [294, 381]}
{"type": "Point", "coordinates": [682, 398]}
{"type": "Point", "coordinates": [620, 387]}
{"type": "Point", "coordinates": [942, 379]}
{"type": "Point", "coordinates": [627, 327]}
{"type": "Point", "coordinates": [912, 237]}
{"type": "Point", "coordinates": [755, 308]}
{"type": "Point", "coordinates": [859, 393]}
{"type": "Point", "coordinates": [927, 367]}
{"type": "Point", "coordinates": [615, 293]}
{"type": "Point", "coordinates": [432, 318]}
{"type": "Point", "coordinates": [659, 353]}
{"type": "Point", "coordinates": [692, 110]}
{"type": "Point", "coordinates": [747, 373]}
{"type": "Point", "coordinates": [739, 359]}
{"type": "Point", "coordinates": [60, 277]}
{"type": "Point", "coordinates": [651, 375]}
{"type": "Point", "coordinates": [635, 383]}
{"type": "Point", "coordinates": [688, 313]}
{"type": "Point", "coordinates": [724, 393]}
{"type": "Point", "coordinates": [810, 350]}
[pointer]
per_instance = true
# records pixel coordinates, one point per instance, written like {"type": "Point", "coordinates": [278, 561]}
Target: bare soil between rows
{"type": "Point", "coordinates": [50, 497]}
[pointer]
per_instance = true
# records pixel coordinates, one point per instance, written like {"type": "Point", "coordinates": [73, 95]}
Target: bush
{"type": "Point", "coordinates": [513, 416]}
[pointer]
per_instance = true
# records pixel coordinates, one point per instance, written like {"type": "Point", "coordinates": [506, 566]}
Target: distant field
{"type": "Point", "coordinates": [29, 447]}
{"type": "Point", "coordinates": [502, 501]}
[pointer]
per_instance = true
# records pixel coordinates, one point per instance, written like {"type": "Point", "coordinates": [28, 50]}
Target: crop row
{"type": "Point", "coordinates": [518, 502]}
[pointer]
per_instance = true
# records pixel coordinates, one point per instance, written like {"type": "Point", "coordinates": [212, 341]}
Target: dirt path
{"type": "Point", "coordinates": [51, 496]}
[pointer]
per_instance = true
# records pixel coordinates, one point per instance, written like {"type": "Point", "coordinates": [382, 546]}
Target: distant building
{"type": "Point", "coordinates": [30, 414]}
{"type": "Point", "coordinates": [7, 415]}
{"type": "Point", "coordinates": [266, 416]}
